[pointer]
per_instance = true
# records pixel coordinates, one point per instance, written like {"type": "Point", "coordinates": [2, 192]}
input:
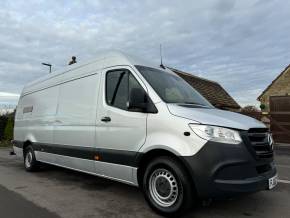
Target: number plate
{"type": "Point", "coordinates": [273, 182]}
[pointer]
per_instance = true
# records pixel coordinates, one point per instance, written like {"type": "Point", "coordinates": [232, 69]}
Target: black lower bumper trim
{"type": "Point", "coordinates": [245, 186]}
{"type": "Point", "coordinates": [221, 170]}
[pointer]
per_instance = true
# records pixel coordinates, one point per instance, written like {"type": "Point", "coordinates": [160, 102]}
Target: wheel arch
{"type": "Point", "coordinates": [145, 158]}
{"type": "Point", "coordinates": [26, 144]}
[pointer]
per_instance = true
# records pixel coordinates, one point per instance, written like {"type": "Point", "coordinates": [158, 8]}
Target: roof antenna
{"type": "Point", "coordinates": [161, 64]}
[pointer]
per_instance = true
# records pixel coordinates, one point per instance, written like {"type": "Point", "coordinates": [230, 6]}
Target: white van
{"type": "Point", "coordinates": [128, 120]}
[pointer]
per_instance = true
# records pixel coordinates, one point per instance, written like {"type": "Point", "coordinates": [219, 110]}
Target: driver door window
{"type": "Point", "coordinates": [119, 84]}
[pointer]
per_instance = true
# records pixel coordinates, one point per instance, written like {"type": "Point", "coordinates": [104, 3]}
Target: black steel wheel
{"type": "Point", "coordinates": [30, 162]}
{"type": "Point", "coordinates": [167, 187]}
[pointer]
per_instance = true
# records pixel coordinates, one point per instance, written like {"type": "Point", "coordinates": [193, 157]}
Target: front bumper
{"type": "Point", "coordinates": [223, 170]}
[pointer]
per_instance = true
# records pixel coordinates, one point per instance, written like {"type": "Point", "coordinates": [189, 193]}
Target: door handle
{"type": "Point", "coordinates": [106, 119]}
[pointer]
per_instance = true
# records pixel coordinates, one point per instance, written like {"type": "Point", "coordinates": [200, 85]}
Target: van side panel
{"type": "Point", "coordinates": [35, 116]}
{"type": "Point", "coordinates": [76, 114]}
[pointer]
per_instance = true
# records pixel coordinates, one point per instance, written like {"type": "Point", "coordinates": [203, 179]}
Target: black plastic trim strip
{"type": "Point", "coordinates": [67, 150]}
{"type": "Point", "coordinates": [128, 158]}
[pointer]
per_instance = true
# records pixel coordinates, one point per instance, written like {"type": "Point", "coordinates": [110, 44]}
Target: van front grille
{"type": "Point", "coordinates": [260, 142]}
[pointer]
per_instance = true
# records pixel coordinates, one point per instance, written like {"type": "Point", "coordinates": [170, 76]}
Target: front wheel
{"type": "Point", "coordinates": [167, 188]}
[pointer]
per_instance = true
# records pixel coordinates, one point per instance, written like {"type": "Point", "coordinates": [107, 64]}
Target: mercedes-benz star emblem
{"type": "Point", "coordinates": [270, 140]}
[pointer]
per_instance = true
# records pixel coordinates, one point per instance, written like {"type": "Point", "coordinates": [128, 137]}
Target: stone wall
{"type": "Point", "coordinates": [280, 87]}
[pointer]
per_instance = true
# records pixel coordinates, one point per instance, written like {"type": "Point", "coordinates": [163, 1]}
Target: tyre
{"type": "Point", "coordinates": [167, 187]}
{"type": "Point", "coordinates": [30, 162]}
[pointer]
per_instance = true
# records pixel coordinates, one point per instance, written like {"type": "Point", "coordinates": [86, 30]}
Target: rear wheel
{"type": "Point", "coordinates": [167, 187]}
{"type": "Point", "coordinates": [30, 162]}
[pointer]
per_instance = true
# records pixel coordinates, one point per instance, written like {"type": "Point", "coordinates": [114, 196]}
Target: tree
{"type": "Point", "coordinates": [250, 108]}
{"type": "Point", "coordinates": [8, 132]}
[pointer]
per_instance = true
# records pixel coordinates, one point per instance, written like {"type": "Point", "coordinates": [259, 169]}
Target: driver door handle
{"type": "Point", "coordinates": [106, 119]}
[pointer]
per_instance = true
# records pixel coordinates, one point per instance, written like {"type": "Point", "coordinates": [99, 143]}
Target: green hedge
{"type": "Point", "coordinates": [6, 126]}
{"type": "Point", "coordinates": [3, 121]}
{"type": "Point", "coordinates": [8, 131]}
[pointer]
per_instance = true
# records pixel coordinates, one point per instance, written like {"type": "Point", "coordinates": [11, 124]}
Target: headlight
{"type": "Point", "coordinates": [217, 134]}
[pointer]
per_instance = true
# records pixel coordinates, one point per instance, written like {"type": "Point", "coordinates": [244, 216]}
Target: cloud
{"type": "Point", "coordinates": [243, 45]}
{"type": "Point", "coordinates": [9, 95]}
{"type": "Point", "coordinates": [7, 100]}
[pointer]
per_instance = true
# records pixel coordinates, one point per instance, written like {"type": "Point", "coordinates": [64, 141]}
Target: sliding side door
{"type": "Point", "coordinates": [74, 129]}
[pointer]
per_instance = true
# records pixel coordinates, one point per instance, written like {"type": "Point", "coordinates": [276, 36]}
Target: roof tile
{"type": "Point", "coordinates": [211, 90]}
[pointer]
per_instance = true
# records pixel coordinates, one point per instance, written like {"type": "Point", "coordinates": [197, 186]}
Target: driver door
{"type": "Point", "coordinates": [120, 132]}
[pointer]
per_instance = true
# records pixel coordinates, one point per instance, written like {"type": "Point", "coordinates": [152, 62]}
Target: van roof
{"type": "Point", "coordinates": [103, 60]}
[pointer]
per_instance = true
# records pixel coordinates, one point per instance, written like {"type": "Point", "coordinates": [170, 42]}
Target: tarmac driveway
{"type": "Point", "coordinates": [56, 192]}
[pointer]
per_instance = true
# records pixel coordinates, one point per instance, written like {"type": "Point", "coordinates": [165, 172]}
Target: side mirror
{"type": "Point", "coordinates": [139, 101]}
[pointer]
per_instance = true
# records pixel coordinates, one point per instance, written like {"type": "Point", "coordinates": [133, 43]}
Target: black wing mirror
{"type": "Point", "coordinates": [139, 101]}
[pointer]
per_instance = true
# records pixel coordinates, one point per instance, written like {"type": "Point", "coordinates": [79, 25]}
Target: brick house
{"type": "Point", "coordinates": [211, 90]}
{"type": "Point", "coordinates": [278, 89]}
{"type": "Point", "coordinates": [275, 105]}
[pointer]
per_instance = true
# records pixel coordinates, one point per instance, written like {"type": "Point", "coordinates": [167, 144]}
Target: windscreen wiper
{"type": "Point", "coordinates": [193, 103]}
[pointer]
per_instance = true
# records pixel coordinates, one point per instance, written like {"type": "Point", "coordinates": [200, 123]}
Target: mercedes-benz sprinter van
{"type": "Point", "coordinates": [128, 120]}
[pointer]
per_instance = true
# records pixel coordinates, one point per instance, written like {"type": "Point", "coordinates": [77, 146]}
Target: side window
{"type": "Point", "coordinates": [117, 88]}
{"type": "Point", "coordinates": [133, 83]}
{"type": "Point", "coordinates": [119, 84]}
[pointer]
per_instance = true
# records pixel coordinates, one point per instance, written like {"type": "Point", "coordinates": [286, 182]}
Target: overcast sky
{"type": "Point", "coordinates": [243, 45]}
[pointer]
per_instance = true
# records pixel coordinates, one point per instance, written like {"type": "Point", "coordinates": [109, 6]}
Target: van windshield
{"type": "Point", "coordinates": [172, 88]}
